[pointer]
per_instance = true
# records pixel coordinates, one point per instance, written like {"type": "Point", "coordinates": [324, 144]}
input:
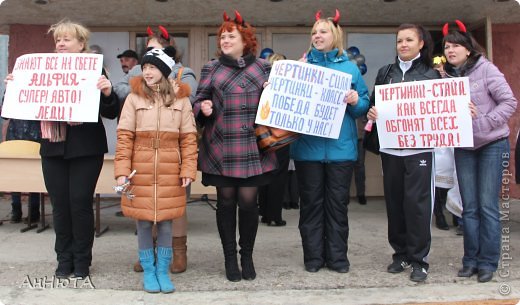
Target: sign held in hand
{"type": "Point", "coordinates": [424, 114]}
{"type": "Point", "coordinates": [54, 87]}
{"type": "Point", "coordinates": [304, 98]}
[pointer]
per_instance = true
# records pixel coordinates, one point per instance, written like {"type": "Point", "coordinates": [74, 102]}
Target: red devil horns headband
{"type": "Point", "coordinates": [335, 20]}
{"type": "Point", "coordinates": [459, 23]}
{"type": "Point", "coordinates": [238, 18]}
{"type": "Point", "coordinates": [164, 32]}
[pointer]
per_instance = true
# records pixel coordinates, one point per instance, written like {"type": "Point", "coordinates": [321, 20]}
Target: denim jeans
{"type": "Point", "coordinates": [479, 173]}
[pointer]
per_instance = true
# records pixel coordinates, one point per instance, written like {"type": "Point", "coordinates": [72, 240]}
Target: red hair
{"type": "Point", "coordinates": [247, 32]}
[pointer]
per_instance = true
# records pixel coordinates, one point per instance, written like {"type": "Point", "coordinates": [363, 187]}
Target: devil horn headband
{"type": "Point", "coordinates": [462, 27]}
{"type": "Point", "coordinates": [335, 20]}
{"type": "Point", "coordinates": [238, 18]}
{"type": "Point", "coordinates": [318, 15]}
{"type": "Point", "coordinates": [226, 17]}
{"type": "Point", "coordinates": [164, 33]}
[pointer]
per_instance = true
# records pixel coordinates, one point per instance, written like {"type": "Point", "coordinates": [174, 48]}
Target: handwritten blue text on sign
{"type": "Point", "coordinates": [304, 98]}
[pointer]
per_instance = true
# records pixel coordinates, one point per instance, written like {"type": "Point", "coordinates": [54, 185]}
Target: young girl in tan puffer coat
{"type": "Point", "coordinates": [156, 138]}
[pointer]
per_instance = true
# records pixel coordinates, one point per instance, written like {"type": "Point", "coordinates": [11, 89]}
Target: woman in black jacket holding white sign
{"type": "Point", "coordinates": [71, 163]}
{"type": "Point", "coordinates": [407, 173]}
{"type": "Point", "coordinates": [72, 157]}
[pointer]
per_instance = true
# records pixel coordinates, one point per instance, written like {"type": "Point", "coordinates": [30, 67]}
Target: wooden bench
{"type": "Point", "coordinates": [22, 172]}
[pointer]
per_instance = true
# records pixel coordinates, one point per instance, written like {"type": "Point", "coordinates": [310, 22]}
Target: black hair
{"type": "Point", "coordinates": [468, 41]}
{"type": "Point", "coordinates": [424, 35]}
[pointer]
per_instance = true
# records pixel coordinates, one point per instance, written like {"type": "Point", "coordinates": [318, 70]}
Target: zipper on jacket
{"type": "Point", "coordinates": [156, 145]}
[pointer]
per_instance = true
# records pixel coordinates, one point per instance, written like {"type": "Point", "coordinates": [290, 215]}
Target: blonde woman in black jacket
{"type": "Point", "coordinates": [72, 157]}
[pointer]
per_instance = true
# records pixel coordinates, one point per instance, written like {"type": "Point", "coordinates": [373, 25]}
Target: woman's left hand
{"type": "Point", "coordinates": [104, 85]}
{"type": "Point", "coordinates": [186, 181]}
{"type": "Point", "coordinates": [351, 98]}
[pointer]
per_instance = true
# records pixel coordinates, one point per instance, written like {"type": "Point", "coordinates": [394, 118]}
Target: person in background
{"type": "Point", "coordinates": [72, 157]}
{"type": "Point", "coordinates": [444, 181]}
{"type": "Point", "coordinates": [265, 53]}
{"type": "Point", "coordinates": [359, 167]}
{"type": "Point", "coordinates": [96, 49]}
{"type": "Point", "coordinates": [479, 168]}
{"type": "Point", "coordinates": [30, 131]}
{"type": "Point", "coordinates": [407, 173]}
{"type": "Point", "coordinates": [444, 166]}
{"type": "Point", "coordinates": [159, 39]}
{"type": "Point", "coordinates": [126, 64]}
{"type": "Point", "coordinates": [438, 64]}
{"type": "Point", "coordinates": [24, 130]}
{"type": "Point", "coordinates": [229, 158]}
{"type": "Point", "coordinates": [155, 114]}
{"type": "Point", "coordinates": [323, 165]}
{"type": "Point", "coordinates": [291, 198]}
{"type": "Point", "coordinates": [445, 174]}
{"type": "Point", "coordinates": [270, 196]}
{"type": "Point", "coordinates": [128, 60]}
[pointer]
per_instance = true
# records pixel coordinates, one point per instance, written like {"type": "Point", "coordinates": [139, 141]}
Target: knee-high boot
{"type": "Point", "coordinates": [247, 226]}
{"type": "Point", "coordinates": [226, 223]}
{"type": "Point", "coordinates": [147, 259]}
{"type": "Point", "coordinates": [180, 259]}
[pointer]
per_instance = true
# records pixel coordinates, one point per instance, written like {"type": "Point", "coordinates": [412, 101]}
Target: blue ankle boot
{"type": "Point", "coordinates": [164, 258]}
{"type": "Point", "coordinates": [147, 259]}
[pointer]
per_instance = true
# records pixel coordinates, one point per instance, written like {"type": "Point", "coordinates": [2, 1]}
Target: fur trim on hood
{"type": "Point", "coordinates": [137, 87]}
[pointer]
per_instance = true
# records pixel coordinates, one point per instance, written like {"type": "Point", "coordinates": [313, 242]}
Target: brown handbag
{"type": "Point", "coordinates": [271, 138]}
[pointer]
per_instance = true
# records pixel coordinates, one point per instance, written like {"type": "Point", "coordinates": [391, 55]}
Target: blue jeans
{"type": "Point", "coordinates": [479, 173]}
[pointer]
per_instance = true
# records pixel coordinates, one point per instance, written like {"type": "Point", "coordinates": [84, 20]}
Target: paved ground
{"type": "Point", "coordinates": [27, 263]}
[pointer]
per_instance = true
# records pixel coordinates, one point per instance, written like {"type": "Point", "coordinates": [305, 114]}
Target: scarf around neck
{"type": "Point", "coordinates": [241, 62]}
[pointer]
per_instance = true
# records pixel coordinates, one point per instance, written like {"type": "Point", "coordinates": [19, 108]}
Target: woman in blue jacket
{"type": "Point", "coordinates": [325, 165]}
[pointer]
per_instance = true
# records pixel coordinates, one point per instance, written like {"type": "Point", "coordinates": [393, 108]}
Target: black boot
{"type": "Point", "coordinates": [34, 203]}
{"type": "Point", "coordinates": [247, 226]}
{"type": "Point", "coordinates": [16, 205]}
{"type": "Point", "coordinates": [226, 223]}
{"type": "Point", "coordinates": [440, 222]}
{"type": "Point", "coordinates": [34, 207]}
{"type": "Point", "coordinates": [440, 201]}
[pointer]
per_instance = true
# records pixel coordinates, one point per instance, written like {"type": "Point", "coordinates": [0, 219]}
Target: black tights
{"type": "Point", "coordinates": [244, 197]}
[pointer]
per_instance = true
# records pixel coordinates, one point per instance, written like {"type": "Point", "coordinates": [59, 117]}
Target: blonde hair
{"type": "Point", "coordinates": [274, 57]}
{"type": "Point", "coordinates": [337, 34]}
{"type": "Point", "coordinates": [65, 26]}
